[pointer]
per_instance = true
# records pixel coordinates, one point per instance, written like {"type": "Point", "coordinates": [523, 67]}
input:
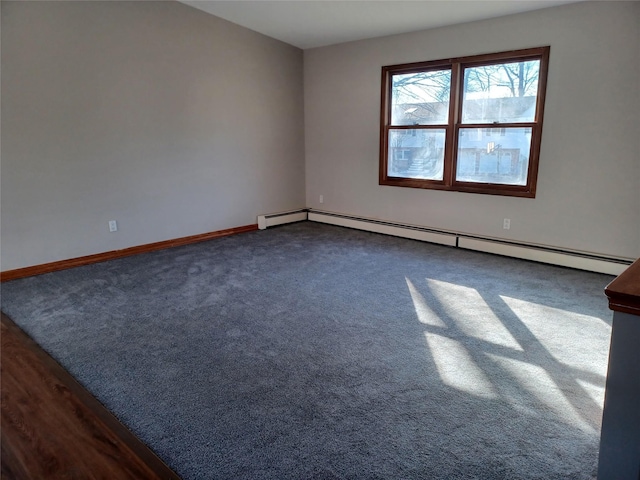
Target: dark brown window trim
{"type": "Point", "coordinates": [457, 66]}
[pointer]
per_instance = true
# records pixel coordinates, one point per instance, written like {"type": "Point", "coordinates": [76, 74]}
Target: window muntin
{"type": "Point", "coordinates": [448, 106]}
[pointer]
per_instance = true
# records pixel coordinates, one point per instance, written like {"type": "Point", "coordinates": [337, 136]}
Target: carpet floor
{"type": "Point", "coordinates": [310, 351]}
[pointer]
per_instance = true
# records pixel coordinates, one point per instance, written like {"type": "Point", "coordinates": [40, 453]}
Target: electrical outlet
{"type": "Point", "coordinates": [506, 223]}
{"type": "Point", "coordinates": [113, 226]}
{"type": "Point", "coordinates": [321, 198]}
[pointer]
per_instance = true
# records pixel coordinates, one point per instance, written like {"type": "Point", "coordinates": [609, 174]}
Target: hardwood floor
{"type": "Point", "coordinates": [53, 428]}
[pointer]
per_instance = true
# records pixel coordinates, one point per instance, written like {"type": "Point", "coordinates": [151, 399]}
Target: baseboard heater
{"type": "Point", "coordinates": [539, 253]}
{"type": "Point", "coordinates": [273, 219]}
{"type": "Point", "coordinates": [387, 228]}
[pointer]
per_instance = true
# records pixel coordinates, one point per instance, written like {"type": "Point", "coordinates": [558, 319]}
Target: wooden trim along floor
{"type": "Point", "coordinates": [52, 427]}
{"type": "Point", "coordinates": [125, 252]}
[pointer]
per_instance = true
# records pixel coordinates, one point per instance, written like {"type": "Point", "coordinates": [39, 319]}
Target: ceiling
{"type": "Point", "coordinates": [315, 23]}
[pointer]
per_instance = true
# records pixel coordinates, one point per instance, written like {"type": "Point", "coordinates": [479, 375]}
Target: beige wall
{"type": "Point", "coordinates": [174, 122]}
{"type": "Point", "coordinates": [169, 120]}
{"type": "Point", "coordinates": [588, 196]}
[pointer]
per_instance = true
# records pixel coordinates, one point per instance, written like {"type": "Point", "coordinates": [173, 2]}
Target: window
{"type": "Point", "coordinates": [470, 124]}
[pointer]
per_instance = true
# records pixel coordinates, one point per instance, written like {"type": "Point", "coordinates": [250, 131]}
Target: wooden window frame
{"type": "Point", "coordinates": [457, 67]}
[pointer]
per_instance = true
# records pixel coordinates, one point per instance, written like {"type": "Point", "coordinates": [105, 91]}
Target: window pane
{"type": "Point", "coordinates": [416, 153]}
{"type": "Point", "coordinates": [493, 155]}
{"type": "Point", "coordinates": [504, 92]}
{"type": "Point", "coordinates": [420, 98]}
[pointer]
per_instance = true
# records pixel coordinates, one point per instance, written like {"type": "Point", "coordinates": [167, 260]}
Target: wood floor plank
{"type": "Point", "coordinates": [54, 428]}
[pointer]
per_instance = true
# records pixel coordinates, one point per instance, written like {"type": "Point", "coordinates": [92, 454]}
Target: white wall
{"type": "Point", "coordinates": [588, 196]}
{"type": "Point", "coordinates": [169, 120]}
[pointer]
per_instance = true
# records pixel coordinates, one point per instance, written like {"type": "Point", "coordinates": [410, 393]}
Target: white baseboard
{"type": "Point", "coordinates": [273, 219]}
{"type": "Point", "coordinates": [565, 259]}
{"type": "Point", "coordinates": [539, 253]}
{"type": "Point", "coordinates": [406, 231]}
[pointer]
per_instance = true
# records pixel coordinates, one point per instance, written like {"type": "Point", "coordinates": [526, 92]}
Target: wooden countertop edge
{"type": "Point", "coordinates": [624, 291]}
{"type": "Point", "coordinates": [152, 461]}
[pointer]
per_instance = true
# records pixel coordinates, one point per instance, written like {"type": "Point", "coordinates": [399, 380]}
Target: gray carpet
{"type": "Point", "coordinates": [309, 351]}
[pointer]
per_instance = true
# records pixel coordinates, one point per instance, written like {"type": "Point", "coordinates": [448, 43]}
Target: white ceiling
{"type": "Point", "coordinates": [316, 23]}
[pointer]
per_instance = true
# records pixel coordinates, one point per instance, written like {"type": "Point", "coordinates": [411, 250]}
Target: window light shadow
{"type": "Point", "coordinates": [500, 347]}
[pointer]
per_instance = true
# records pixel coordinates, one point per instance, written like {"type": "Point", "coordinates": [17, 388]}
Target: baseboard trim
{"type": "Point", "coordinates": [538, 253]}
{"type": "Point", "coordinates": [387, 228]}
{"type": "Point", "coordinates": [125, 252]}
{"type": "Point", "coordinates": [273, 219]}
{"type": "Point", "coordinates": [552, 256]}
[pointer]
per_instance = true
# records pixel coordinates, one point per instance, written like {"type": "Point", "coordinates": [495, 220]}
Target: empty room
{"type": "Point", "coordinates": [320, 239]}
